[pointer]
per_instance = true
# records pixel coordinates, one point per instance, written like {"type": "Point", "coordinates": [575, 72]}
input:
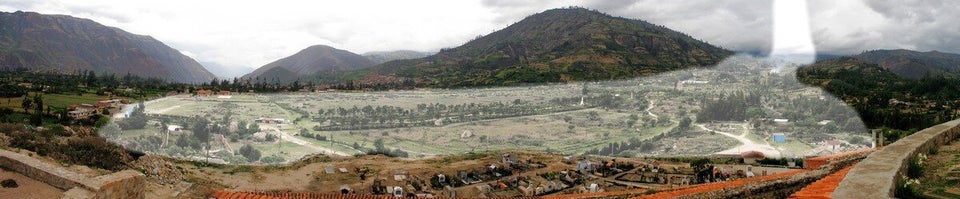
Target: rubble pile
{"type": "Point", "coordinates": [159, 170]}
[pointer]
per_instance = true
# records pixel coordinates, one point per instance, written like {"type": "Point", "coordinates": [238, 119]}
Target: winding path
{"type": "Point", "coordinates": [650, 106]}
{"type": "Point", "coordinates": [745, 144]}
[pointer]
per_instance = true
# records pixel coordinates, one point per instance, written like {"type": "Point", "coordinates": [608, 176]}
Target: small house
{"type": "Point", "coordinates": [174, 128]}
{"type": "Point", "coordinates": [204, 92]}
{"type": "Point", "coordinates": [270, 120]}
{"type": "Point", "coordinates": [585, 166]}
{"type": "Point", "coordinates": [779, 137]}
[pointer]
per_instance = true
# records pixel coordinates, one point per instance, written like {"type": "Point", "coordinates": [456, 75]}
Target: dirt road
{"type": "Point", "coordinates": [745, 144]}
{"type": "Point", "coordinates": [290, 138]}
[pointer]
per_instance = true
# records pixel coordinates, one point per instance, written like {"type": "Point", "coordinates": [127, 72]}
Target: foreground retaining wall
{"type": "Point", "coordinates": [878, 174]}
{"type": "Point", "coordinates": [123, 184]}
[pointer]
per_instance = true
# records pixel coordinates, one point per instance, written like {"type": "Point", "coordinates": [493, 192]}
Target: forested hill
{"type": "Point", "coordinates": [883, 98]}
{"type": "Point", "coordinates": [556, 45]}
{"type": "Point", "coordinates": [913, 64]}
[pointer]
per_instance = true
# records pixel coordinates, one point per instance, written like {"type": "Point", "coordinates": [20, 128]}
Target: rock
{"type": "Point", "coordinates": [9, 183]}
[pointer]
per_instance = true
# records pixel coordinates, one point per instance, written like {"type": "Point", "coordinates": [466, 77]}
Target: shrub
{"type": "Point", "coordinates": [915, 166]}
{"type": "Point", "coordinates": [95, 151]}
{"type": "Point", "coordinates": [250, 153]}
{"type": "Point", "coordinates": [273, 159]}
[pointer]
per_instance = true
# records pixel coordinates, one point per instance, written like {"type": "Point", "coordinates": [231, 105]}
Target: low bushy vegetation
{"type": "Point", "coordinates": [90, 150]}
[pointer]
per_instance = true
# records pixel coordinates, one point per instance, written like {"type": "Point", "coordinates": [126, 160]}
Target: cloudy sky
{"type": "Point", "coordinates": [249, 34]}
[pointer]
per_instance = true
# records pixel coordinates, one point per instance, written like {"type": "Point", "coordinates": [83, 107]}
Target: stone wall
{"type": "Point", "coordinates": [878, 174]}
{"type": "Point", "coordinates": [123, 184]}
{"type": "Point", "coordinates": [54, 175]}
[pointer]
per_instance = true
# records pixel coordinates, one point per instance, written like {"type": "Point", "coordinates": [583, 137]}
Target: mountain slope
{"type": "Point", "coordinates": [913, 64]}
{"type": "Point", "coordinates": [552, 46]}
{"type": "Point", "coordinates": [308, 61]}
{"type": "Point", "coordinates": [847, 76]}
{"type": "Point", "coordinates": [60, 43]}
{"type": "Point", "coordinates": [883, 98]}
{"type": "Point", "coordinates": [380, 57]}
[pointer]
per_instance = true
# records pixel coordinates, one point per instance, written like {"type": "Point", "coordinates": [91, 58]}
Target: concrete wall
{"type": "Point", "coordinates": [878, 174]}
{"type": "Point", "coordinates": [123, 184]}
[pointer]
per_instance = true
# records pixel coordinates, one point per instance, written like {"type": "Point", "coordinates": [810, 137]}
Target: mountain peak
{"type": "Point", "coordinates": [310, 60]}
{"type": "Point", "coordinates": [380, 57]}
{"type": "Point", "coordinates": [318, 47]}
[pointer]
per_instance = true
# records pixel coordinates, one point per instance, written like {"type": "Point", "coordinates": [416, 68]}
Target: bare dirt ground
{"type": "Point", "coordinates": [27, 187]}
{"type": "Point", "coordinates": [162, 111]}
{"type": "Point", "coordinates": [745, 144]}
{"type": "Point", "coordinates": [312, 176]}
{"type": "Point", "coordinates": [290, 138]}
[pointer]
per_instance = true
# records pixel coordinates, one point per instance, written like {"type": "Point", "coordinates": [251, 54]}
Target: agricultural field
{"type": "Point", "coordinates": [732, 108]}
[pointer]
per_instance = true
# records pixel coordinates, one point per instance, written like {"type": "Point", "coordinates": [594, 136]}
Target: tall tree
{"type": "Point", "coordinates": [27, 104]}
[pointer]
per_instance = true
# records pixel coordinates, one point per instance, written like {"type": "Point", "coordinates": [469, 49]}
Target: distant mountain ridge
{"type": "Point", "coordinates": [558, 45]}
{"type": "Point", "coordinates": [914, 64]}
{"type": "Point", "coordinates": [61, 43]}
{"type": "Point", "coordinates": [380, 57]}
{"type": "Point", "coordinates": [309, 61]}
{"type": "Point", "coordinates": [225, 72]}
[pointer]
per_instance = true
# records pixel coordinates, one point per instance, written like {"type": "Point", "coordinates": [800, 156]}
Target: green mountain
{"type": "Point", "coordinates": [311, 60]}
{"type": "Point", "coordinates": [60, 43]}
{"type": "Point", "coordinates": [556, 45]}
{"type": "Point", "coordinates": [380, 57]}
{"type": "Point", "coordinates": [913, 64]}
{"type": "Point", "coordinates": [883, 98]}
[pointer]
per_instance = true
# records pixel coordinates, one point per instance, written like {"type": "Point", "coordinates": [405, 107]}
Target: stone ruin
{"type": "Point", "coordinates": [122, 184]}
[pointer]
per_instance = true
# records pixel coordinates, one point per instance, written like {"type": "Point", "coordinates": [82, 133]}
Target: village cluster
{"type": "Point", "coordinates": [510, 175]}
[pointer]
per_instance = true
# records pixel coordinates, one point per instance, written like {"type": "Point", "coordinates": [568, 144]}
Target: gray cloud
{"type": "Point", "coordinates": [741, 25]}
{"type": "Point", "coordinates": [909, 10]}
{"type": "Point", "coordinates": [847, 27]}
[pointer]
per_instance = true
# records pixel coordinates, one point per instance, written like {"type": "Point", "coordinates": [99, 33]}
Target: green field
{"type": "Point", "coordinates": [609, 118]}
{"type": "Point", "coordinates": [53, 100]}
